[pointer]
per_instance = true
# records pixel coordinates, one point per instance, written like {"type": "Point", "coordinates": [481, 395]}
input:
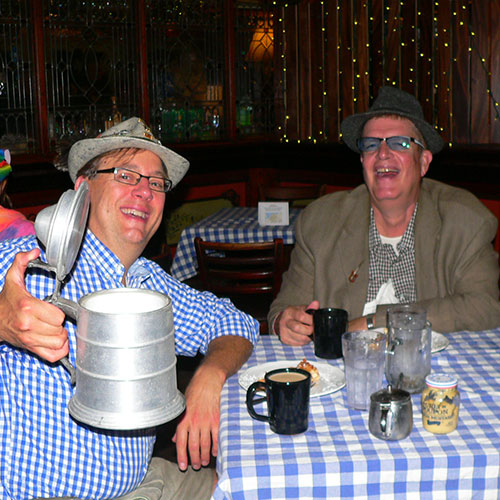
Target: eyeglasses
{"type": "Point", "coordinates": [395, 143]}
{"type": "Point", "coordinates": [126, 176]}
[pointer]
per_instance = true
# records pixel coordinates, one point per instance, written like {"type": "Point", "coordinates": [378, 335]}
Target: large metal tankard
{"type": "Point", "coordinates": [125, 356]}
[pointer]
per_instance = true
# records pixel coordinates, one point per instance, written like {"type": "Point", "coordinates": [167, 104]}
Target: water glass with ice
{"type": "Point", "coordinates": [364, 358]}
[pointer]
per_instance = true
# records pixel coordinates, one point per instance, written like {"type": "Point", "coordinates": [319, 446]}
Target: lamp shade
{"type": "Point", "coordinates": [262, 44]}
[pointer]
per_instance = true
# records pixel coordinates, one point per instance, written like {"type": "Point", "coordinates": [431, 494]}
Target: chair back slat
{"type": "Point", "coordinates": [238, 270]}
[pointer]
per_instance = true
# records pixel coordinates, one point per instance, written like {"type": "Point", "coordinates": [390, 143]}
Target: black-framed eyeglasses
{"type": "Point", "coordinates": [395, 143]}
{"type": "Point", "coordinates": [126, 176]}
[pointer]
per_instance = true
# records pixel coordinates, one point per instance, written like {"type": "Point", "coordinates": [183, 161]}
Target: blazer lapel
{"type": "Point", "coordinates": [354, 255]}
{"type": "Point", "coordinates": [427, 236]}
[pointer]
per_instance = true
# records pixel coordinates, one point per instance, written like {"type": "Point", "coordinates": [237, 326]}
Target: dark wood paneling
{"type": "Point", "coordinates": [461, 76]}
{"type": "Point", "coordinates": [479, 78]}
{"type": "Point", "coordinates": [362, 54]}
{"type": "Point", "coordinates": [346, 56]}
{"type": "Point", "coordinates": [304, 68]}
{"type": "Point", "coordinates": [425, 90]}
{"type": "Point", "coordinates": [494, 65]}
{"type": "Point", "coordinates": [409, 49]}
{"type": "Point", "coordinates": [332, 72]}
{"type": "Point", "coordinates": [421, 46]}
{"type": "Point", "coordinates": [279, 65]}
{"type": "Point", "coordinates": [443, 68]}
{"type": "Point", "coordinates": [392, 44]}
{"type": "Point", "coordinates": [377, 46]}
{"type": "Point", "coordinates": [317, 57]}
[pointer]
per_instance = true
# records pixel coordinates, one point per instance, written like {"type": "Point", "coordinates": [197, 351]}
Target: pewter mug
{"type": "Point", "coordinates": [391, 414]}
{"type": "Point", "coordinates": [125, 359]}
{"type": "Point", "coordinates": [125, 354]}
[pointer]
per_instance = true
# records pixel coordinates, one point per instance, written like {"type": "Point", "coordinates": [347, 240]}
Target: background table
{"type": "Point", "coordinates": [232, 225]}
{"type": "Point", "coordinates": [337, 457]}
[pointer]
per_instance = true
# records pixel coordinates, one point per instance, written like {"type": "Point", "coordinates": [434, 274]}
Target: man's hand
{"type": "Point", "coordinates": [28, 322]}
{"type": "Point", "coordinates": [295, 326]}
{"type": "Point", "coordinates": [197, 433]}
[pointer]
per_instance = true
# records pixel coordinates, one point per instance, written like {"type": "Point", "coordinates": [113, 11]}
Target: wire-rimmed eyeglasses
{"type": "Point", "coordinates": [126, 176]}
{"type": "Point", "coordinates": [395, 143]}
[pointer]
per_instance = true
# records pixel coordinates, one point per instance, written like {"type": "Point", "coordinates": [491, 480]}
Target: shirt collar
{"type": "Point", "coordinates": [96, 251]}
{"type": "Point", "coordinates": [407, 241]}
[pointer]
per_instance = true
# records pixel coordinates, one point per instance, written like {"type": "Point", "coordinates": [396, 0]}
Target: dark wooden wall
{"type": "Point", "coordinates": [334, 55]}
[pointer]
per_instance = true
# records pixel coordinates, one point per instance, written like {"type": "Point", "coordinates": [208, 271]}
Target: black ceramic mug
{"type": "Point", "coordinates": [287, 394]}
{"type": "Point", "coordinates": [329, 325]}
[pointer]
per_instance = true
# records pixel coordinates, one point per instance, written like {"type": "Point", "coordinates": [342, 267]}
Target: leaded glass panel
{"type": "Point", "coordinates": [254, 67]}
{"type": "Point", "coordinates": [91, 65]}
{"type": "Point", "coordinates": [17, 116]}
{"type": "Point", "coordinates": [186, 68]}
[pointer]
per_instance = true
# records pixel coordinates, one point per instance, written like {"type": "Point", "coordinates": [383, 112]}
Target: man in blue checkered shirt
{"type": "Point", "coordinates": [44, 453]}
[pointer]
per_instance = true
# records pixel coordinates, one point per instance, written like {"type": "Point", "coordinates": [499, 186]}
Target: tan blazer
{"type": "Point", "coordinates": [456, 266]}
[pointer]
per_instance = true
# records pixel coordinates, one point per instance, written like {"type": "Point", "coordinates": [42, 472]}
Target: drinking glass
{"type": "Point", "coordinates": [408, 356]}
{"type": "Point", "coordinates": [364, 356]}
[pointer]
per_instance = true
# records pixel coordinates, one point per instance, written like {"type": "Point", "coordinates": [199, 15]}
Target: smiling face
{"type": "Point", "coordinates": [393, 177]}
{"type": "Point", "coordinates": [122, 216]}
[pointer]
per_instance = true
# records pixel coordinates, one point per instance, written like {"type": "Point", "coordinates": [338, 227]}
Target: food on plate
{"type": "Point", "coordinates": [308, 367]}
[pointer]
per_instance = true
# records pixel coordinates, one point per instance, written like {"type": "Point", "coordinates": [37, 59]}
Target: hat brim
{"type": "Point", "coordinates": [352, 128]}
{"type": "Point", "coordinates": [86, 150]}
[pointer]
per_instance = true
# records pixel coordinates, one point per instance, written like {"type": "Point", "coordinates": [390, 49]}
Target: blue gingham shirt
{"type": "Point", "coordinates": [43, 451]}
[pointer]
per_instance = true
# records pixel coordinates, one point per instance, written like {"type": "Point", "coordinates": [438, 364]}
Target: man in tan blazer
{"type": "Point", "coordinates": [397, 238]}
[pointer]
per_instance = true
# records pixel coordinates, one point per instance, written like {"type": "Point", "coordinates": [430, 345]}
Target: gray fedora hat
{"type": "Point", "coordinates": [391, 101]}
{"type": "Point", "coordinates": [131, 133]}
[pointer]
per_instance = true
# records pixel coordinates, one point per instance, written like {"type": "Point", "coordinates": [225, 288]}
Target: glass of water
{"type": "Point", "coordinates": [408, 356]}
{"type": "Point", "coordinates": [364, 359]}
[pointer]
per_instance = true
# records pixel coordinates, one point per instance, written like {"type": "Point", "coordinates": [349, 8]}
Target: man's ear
{"type": "Point", "coordinates": [425, 161]}
{"type": "Point", "coordinates": [78, 181]}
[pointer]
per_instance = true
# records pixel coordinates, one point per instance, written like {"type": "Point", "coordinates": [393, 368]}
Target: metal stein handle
{"type": "Point", "coordinates": [69, 308]}
{"type": "Point", "coordinates": [71, 369]}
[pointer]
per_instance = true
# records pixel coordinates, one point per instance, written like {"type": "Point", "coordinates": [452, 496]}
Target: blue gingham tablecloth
{"type": "Point", "coordinates": [337, 457]}
{"type": "Point", "coordinates": [232, 225]}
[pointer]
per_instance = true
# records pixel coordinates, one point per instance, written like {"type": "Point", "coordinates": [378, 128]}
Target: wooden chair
{"type": "Point", "coordinates": [296, 195]}
{"type": "Point", "coordinates": [247, 273]}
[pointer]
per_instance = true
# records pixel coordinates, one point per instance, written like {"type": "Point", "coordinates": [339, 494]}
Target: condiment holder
{"type": "Point", "coordinates": [391, 414]}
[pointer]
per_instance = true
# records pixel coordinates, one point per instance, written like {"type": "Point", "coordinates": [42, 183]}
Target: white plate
{"type": "Point", "coordinates": [438, 342]}
{"type": "Point", "coordinates": [331, 378]}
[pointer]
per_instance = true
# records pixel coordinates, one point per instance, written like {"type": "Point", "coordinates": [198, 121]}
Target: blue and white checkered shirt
{"type": "Point", "coordinates": [43, 451]}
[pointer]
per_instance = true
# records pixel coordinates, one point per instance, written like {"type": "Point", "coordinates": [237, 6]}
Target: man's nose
{"type": "Point", "coordinates": [384, 150]}
{"type": "Point", "coordinates": [143, 189]}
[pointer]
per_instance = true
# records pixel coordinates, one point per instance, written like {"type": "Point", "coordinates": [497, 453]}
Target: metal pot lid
{"type": "Point", "coordinates": [61, 228]}
{"type": "Point", "coordinates": [390, 395]}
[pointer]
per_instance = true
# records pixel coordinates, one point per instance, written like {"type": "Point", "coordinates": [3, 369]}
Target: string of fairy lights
{"type": "Point", "coordinates": [442, 42]}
